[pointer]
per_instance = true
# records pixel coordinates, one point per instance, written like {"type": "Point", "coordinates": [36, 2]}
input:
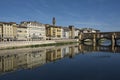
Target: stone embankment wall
{"type": "Point", "coordinates": [27, 43]}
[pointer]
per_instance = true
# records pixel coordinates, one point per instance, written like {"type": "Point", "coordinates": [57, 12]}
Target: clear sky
{"type": "Point", "coordinates": [98, 14]}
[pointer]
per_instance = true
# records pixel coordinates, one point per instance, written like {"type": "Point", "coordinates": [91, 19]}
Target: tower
{"type": "Point", "coordinates": [72, 34]}
{"type": "Point", "coordinates": [54, 21]}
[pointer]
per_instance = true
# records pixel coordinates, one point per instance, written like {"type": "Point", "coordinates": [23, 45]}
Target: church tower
{"type": "Point", "coordinates": [53, 21]}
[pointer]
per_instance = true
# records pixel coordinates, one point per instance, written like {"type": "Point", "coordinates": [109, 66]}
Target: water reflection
{"type": "Point", "coordinates": [118, 42]}
{"type": "Point", "coordinates": [102, 48]}
{"type": "Point", "coordinates": [11, 60]}
{"type": "Point", "coordinates": [106, 42]}
{"type": "Point", "coordinates": [28, 58]}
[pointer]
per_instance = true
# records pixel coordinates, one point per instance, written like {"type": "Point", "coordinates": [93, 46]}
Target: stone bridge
{"type": "Point", "coordinates": [95, 37]}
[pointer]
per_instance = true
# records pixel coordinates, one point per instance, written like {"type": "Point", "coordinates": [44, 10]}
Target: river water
{"type": "Point", "coordinates": [69, 62]}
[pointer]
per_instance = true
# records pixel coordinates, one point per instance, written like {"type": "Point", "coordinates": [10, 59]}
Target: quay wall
{"type": "Point", "coordinates": [11, 44]}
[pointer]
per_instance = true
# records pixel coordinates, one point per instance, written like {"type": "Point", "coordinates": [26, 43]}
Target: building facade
{"type": "Point", "coordinates": [53, 32]}
{"type": "Point", "coordinates": [72, 32]}
{"type": "Point", "coordinates": [76, 33]}
{"type": "Point", "coordinates": [35, 30]}
{"type": "Point", "coordinates": [65, 32]}
{"type": "Point", "coordinates": [0, 32]}
{"type": "Point", "coordinates": [21, 33]}
{"type": "Point", "coordinates": [8, 31]}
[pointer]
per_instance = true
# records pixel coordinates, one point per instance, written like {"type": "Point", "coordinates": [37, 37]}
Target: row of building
{"type": "Point", "coordinates": [32, 30]}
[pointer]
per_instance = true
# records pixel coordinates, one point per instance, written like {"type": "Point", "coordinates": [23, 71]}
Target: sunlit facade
{"type": "Point", "coordinates": [8, 31]}
{"type": "Point", "coordinates": [22, 33]}
{"type": "Point", "coordinates": [65, 33]}
{"type": "Point", "coordinates": [53, 32]}
{"type": "Point", "coordinates": [0, 32]}
{"type": "Point", "coordinates": [35, 30]}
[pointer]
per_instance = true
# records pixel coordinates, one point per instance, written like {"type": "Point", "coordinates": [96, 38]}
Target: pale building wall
{"type": "Point", "coordinates": [76, 33]}
{"type": "Point", "coordinates": [64, 34]}
{"type": "Point", "coordinates": [0, 32]}
{"type": "Point", "coordinates": [22, 33]}
{"type": "Point", "coordinates": [8, 30]}
{"type": "Point", "coordinates": [35, 30]}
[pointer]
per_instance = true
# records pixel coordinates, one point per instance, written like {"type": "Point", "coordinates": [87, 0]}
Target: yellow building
{"type": "Point", "coordinates": [53, 32]}
{"type": "Point", "coordinates": [8, 30]}
{"type": "Point", "coordinates": [0, 32]}
{"type": "Point", "coordinates": [15, 31]}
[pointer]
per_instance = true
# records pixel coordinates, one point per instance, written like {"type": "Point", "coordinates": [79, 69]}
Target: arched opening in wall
{"type": "Point", "coordinates": [88, 41]}
{"type": "Point", "coordinates": [104, 41]}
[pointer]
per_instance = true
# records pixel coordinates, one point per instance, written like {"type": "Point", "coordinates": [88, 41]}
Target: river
{"type": "Point", "coordinates": [69, 62]}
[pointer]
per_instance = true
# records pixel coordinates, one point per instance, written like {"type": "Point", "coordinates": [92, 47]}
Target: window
{"type": "Point", "coordinates": [19, 31]}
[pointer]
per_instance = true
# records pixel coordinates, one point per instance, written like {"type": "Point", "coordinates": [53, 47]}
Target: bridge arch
{"type": "Point", "coordinates": [95, 37]}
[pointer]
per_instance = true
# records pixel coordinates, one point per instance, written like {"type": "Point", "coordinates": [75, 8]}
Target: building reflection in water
{"type": "Point", "coordinates": [12, 60]}
{"type": "Point", "coordinates": [28, 58]}
{"type": "Point", "coordinates": [83, 48]}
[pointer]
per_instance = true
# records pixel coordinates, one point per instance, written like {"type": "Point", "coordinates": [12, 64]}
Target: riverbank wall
{"type": "Point", "coordinates": [18, 44]}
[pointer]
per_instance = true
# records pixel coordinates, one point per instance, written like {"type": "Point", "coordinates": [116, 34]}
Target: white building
{"type": "Point", "coordinates": [65, 33]}
{"type": "Point", "coordinates": [35, 30]}
{"type": "Point", "coordinates": [76, 32]}
{"type": "Point", "coordinates": [22, 33]}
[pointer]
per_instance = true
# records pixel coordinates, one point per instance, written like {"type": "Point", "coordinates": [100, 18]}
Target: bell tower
{"type": "Point", "coordinates": [53, 21]}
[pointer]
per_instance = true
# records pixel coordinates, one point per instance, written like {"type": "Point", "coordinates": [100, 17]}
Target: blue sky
{"type": "Point", "coordinates": [98, 14]}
